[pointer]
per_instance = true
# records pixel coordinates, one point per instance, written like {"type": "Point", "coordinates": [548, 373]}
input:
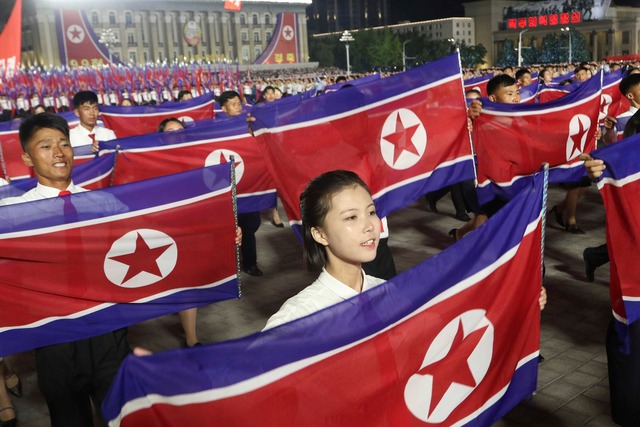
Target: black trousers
{"type": "Point", "coordinates": [72, 374]}
{"type": "Point", "coordinates": [382, 265]}
{"type": "Point", "coordinates": [249, 222]}
{"type": "Point", "coordinates": [624, 376]}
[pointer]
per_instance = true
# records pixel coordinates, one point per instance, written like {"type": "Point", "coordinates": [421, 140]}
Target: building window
{"type": "Point", "coordinates": [245, 37]}
{"type": "Point", "coordinates": [132, 57]}
{"type": "Point", "coordinates": [268, 35]}
{"type": "Point", "coordinates": [257, 52]}
{"type": "Point", "coordinates": [255, 19]}
{"type": "Point", "coordinates": [95, 18]}
{"type": "Point", "coordinates": [625, 37]}
{"type": "Point", "coordinates": [112, 18]}
{"type": "Point", "coordinates": [131, 39]}
{"type": "Point", "coordinates": [243, 19]}
{"type": "Point", "coordinates": [457, 24]}
{"type": "Point", "coordinates": [267, 19]}
{"type": "Point", "coordinates": [143, 37]}
{"type": "Point", "coordinates": [146, 57]}
{"type": "Point", "coordinates": [256, 37]}
{"type": "Point", "coordinates": [128, 19]}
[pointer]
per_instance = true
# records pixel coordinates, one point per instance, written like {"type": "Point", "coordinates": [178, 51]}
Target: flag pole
{"type": "Point", "coordinates": [545, 186]}
{"type": "Point", "coordinates": [235, 217]}
{"type": "Point", "coordinates": [115, 163]}
{"type": "Point", "coordinates": [3, 164]}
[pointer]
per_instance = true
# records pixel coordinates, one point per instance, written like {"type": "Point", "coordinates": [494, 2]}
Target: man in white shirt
{"type": "Point", "coordinates": [70, 374]}
{"type": "Point", "coordinates": [85, 106]}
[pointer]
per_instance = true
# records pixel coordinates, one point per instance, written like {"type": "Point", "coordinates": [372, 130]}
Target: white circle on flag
{"type": "Point", "coordinates": [287, 33]}
{"type": "Point", "coordinates": [185, 119]}
{"type": "Point", "coordinates": [75, 33]}
{"type": "Point", "coordinates": [220, 156]}
{"type": "Point", "coordinates": [578, 129]}
{"type": "Point", "coordinates": [403, 139]}
{"type": "Point", "coordinates": [418, 392]}
{"type": "Point", "coordinates": [140, 258]}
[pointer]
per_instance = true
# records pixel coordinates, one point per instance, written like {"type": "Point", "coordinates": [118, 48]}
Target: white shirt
{"type": "Point", "coordinates": [40, 192]}
{"type": "Point", "coordinates": [4, 181]}
{"type": "Point", "coordinates": [79, 135]}
{"type": "Point", "coordinates": [324, 292]}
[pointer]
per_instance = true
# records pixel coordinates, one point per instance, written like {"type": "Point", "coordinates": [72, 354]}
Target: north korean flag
{"type": "Point", "coordinates": [620, 187]}
{"type": "Point", "coordinates": [138, 120]}
{"type": "Point", "coordinates": [479, 83]}
{"type": "Point", "coordinates": [613, 103]}
{"type": "Point", "coordinates": [208, 142]}
{"type": "Point", "coordinates": [452, 341]}
{"type": "Point", "coordinates": [551, 92]}
{"type": "Point", "coordinates": [88, 263]}
{"type": "Point", "coordinates": [405, 135]}
{"type": "Point", "coordinates": [513, 140]}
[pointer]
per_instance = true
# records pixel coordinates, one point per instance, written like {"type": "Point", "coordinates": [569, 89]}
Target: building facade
{"type": "Point", "coordinates": [156, 30]}
{"type": "Point", "coordinates": [327, 16]}
{"type": "Point", "coordinates": [462, 30]}
{"type": "Point", "coordinates": [616, 32]}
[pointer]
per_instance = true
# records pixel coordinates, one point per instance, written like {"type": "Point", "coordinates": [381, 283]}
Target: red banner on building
{"type": "Point", "coordinates": [10, 41]}
{"type": "Point", "coordinates": [232, 4]}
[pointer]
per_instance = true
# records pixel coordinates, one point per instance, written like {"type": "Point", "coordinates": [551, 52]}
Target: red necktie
{"type": "Point", "coordinates": [70, 213]}
{"type": "Point", "coordinates": [93, 137]}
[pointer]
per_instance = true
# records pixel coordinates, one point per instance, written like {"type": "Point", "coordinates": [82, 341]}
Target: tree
{"type": "Point", "coordinates": [473, 55]}
{"type": "Point", "coordinates": [551, 50]}
{"type": "Point", "coordinates": [507, 54]}
{"type": "Point", "coordinates": [321, 50]}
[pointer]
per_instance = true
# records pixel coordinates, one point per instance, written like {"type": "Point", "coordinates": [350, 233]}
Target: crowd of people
{"type": "Point", "coordinates": [353, 255]}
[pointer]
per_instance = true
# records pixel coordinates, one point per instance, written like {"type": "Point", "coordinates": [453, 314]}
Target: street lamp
{"type": "Point", "coordinates": [346, 39]}
{"type": "Point", "coordinates": [568, 30]}
{"type": "Point", "coordinates": [404, 56]}
{"type": "Point", "coordinates": [108, 38]}
{"type": "Point", "coordinates": [520, 46]}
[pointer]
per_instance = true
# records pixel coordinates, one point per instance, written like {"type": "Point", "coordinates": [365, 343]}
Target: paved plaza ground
{"type": "Point", "coordinates": [572, 383]}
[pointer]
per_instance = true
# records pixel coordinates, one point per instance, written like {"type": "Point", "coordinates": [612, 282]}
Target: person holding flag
{"type": "Point", "coordinates": [70, 374]}
{"type": "Point", "coordinates": [85, 107]}
{"type": "Point", "coordinates": [341, 231]}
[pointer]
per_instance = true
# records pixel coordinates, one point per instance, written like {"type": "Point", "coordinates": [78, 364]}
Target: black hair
{"type": "Point", "coordinates": [83, 97]}
{"type": "Point", "coordinates": [227, 95]}
{"type": "Point", "coordinates": [163, 124]}
{"type": "Point", "coordinates": [470, 91]}
{"type": "Point", "coordinates": [33, 124]}
{"type": "Point", "coordinates": [267, 88]}
{"type": "Point", "coordinates": [627, 84]}
{"type": "Point", "coordinates": [315, 203]}
{"type": "Point", "coordinates": [182, 93]}
{"type": "Point", "coordinates": [499, 81]}
{"type": "Point", "coordinates": [521, 72]}
{"type": "Point", "coordinates": [581, 68]}
{"type": "Point", "coordinates": [341, 79]}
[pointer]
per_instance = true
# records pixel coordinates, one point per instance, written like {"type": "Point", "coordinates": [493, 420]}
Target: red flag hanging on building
{"type": "Point", "coordinates": [11, 42]}
{"type": "Point", "coordinates": [233, 5]}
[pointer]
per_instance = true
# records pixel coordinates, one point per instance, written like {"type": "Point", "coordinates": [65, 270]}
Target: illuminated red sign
{"type": "Point", "coordinates": [545, 20]}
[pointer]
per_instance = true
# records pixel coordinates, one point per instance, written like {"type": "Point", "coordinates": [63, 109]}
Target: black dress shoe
{"type": "Point", "coordinates": [454, 234]}
{"type": "Point", "coordinates": [589, 267]}
{"type": "Point", "coordinates": [462, 216]}
{"type": "Point", "coordinates": [558, 216]}
{"type": "Point", "coordinates": [432, 206]}
{"type": "Point", "coordinates": [574, 229]}
{"type": "Point", "coordinates": [253, 271]}
{"type": "Point", "coordinates": [540, 359]}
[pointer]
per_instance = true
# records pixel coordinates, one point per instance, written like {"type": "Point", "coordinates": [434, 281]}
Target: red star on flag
{"type": "Point", "coordinates": [577, 138]}
{"type": "Point", "coordinates": [287, 33]}
{"type": "Point", "coordinates": [75, 33]}
{"type": "Point", "coordinates": [142, 259]}
{"type": "Point", "coordinates": [454, 367]}
{"type": "Point", "coordinates": [402, 139]}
